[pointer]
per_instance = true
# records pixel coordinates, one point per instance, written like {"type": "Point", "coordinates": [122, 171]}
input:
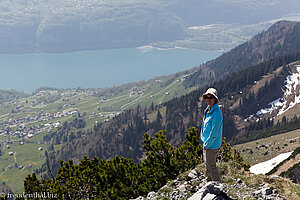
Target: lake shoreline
{"type": "Point", "coordinates": [95, 69]}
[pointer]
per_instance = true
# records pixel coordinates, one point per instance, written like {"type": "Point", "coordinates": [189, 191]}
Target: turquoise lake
{"type": "Point", "coordinates": [94, 69]}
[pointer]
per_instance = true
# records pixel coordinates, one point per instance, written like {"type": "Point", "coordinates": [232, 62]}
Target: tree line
{"type": "Point", "coordinates": [267, 127]}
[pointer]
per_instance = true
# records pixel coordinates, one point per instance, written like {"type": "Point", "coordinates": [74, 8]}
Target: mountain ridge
{"type": "Point", "coordinates": [55, 26]}
{"type": "Point", "coordinates": [285, 39]}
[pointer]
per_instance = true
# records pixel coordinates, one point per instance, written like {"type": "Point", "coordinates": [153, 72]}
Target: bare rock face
{"type": "Point", "coordinates": [211, 190]}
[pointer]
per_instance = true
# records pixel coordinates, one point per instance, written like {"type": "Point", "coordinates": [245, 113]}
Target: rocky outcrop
{"type": "Point", "coordinates": [267, 193]}
{"type": "Point", "coordinates": [195, 187]}
{"type": "Point", "coordinates": [211, 190]}
{"type": "Point", "coordinates": [179, 189]}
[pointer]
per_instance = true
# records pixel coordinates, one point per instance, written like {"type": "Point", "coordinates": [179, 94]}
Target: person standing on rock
{"type": "Point", "coordinates": [211, 134]}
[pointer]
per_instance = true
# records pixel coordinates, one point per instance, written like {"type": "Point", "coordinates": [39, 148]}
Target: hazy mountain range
{"type": "Point", "coordinates": [57, 26]}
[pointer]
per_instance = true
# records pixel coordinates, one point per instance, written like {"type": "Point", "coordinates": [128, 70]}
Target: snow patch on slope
{"type": "Point", "coordinates": [265, 167]}
{"type": "Point", "coordinates": [282, 104]}
{"type": "Point", "coordinates": [292, 82]}
{"type": "Point", "coordinates": [274, 105]}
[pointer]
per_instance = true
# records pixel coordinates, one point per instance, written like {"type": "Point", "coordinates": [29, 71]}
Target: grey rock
{"type": "Point", "coordinates": [198, 195]}
{"type": "Point", "coordinates": [176, 182]}
{"type": "Point", "coordinates": [183, 187]}
{"type": "Point", "coordinates": [211, 189]}
{"type": "Point", "coordinates": [239, 181]}
{"type": "Point", "coordinates": [164, 187]}
{"type": "Point", "coordinates": [176, 195]}
{"type": "Point", "coordinates": [210, 196]}
{"type": "Point", "coordinates": [193, 174]}
{"type": "Point", "coordinates": [139, 198]}
{"type": "Point", "coordinates": [267, 193]}
{"type": "Point", "coordinates": [275, 176]}
{"type": "Point", "coordinates": [214, 187]}
{"type": "Point", "coordinates": [151, 195]}
{"type": "Point", "coordinates": [192, 189]}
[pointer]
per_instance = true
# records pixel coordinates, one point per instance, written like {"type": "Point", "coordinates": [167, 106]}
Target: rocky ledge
{"type": "Point", "coordinates": [195, 187]}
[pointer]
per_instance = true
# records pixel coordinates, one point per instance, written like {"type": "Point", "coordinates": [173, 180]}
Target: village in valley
{"type": "Point", "coordinates": [47, 108]}
{"type": "Point", "coordinates": [25, 122]}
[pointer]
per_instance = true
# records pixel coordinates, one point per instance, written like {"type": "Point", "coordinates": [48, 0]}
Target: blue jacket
{"type": "Point", "coordinates": [212, 128]}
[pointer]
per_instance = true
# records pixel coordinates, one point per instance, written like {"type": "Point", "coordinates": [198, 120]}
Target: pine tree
{"type": "Point", "coordinates": [190, 152]}
{"type": "Point", "coordinates": [158, 116]}
{"type": "Point", "coordinates": [160, 157]}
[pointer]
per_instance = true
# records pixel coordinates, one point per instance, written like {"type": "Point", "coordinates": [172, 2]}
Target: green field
{"type": "Point", "coordinates": [25, 154]}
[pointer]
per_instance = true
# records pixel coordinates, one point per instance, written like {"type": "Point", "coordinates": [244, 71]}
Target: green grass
{"type": "Point", "coordinates": [4, 109]}
{"type": "Point", "coordinates": [91, 122]}
{"type": "Point", "coordinates": [25, 154]}
{"type": "Point", "coordinates": [281, 141]}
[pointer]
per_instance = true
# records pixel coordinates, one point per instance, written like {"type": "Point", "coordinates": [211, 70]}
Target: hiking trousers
{"type": "Point", "coordinates": [211, 170]}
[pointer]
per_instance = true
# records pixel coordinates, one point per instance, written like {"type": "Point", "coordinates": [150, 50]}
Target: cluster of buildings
{"type": "Point", "coordinates": [136, 91]}
{"type": "Point", "coordinates": [20, 123]}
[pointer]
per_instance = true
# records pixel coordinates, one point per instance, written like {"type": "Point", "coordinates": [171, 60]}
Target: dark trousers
{"type": "Point", "coordinates": [211, 170]}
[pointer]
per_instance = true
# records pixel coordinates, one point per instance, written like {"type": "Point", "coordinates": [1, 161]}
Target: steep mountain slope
{"type": "Point", "coordinates": [123, 134]}
{"type": "Point", "coordinates": [268, 101]}
{"type": "Point", "coordinates": [289, 96]}
{"type": "Point", "coordinates": [282, 38]}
